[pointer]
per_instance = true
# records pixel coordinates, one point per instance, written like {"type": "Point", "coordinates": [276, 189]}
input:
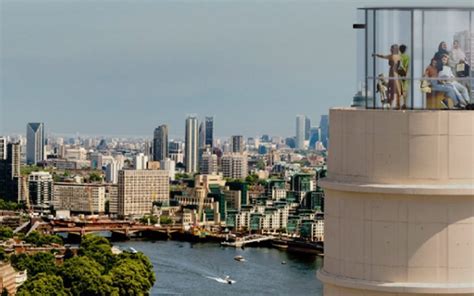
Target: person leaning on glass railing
{"type": "Point", "coordinates": [447, 77]}
{"type": "Point", "coordinates": [432, 72]}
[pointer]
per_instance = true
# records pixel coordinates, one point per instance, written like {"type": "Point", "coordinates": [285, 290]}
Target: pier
{"type": "Point", "coordinates": [240, 242]}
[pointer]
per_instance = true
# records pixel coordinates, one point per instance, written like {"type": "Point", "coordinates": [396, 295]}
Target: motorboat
{"type": "Point", "coordinates": [228, 280]}
{"type": "Point", "coordinates": [239, 258]}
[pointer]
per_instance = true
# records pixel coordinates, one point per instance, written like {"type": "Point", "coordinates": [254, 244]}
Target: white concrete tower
{"type": "Point", "coordinates": [399, 207]}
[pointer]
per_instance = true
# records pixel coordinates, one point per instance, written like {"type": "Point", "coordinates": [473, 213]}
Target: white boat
{"type": "Point", "coordinates": [239, 258]}
{"type": "Point", "coordinates": [132, 250]}
{"type": "Point", "coordinates": [229, 280]}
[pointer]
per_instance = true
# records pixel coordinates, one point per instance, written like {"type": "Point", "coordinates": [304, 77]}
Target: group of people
{"type": "Point", "coordinates": [397, 88]}
{"type": "Point", "coordinates": [441, 75]}
{"type": "Point", "coordinates": [446, 66]}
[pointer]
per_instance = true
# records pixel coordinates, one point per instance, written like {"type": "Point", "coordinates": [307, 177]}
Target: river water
{"type": "Point", "coordinates": [184, 268]}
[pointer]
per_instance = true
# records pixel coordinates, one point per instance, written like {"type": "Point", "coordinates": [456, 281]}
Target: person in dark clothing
{"type": "Point", "coordinates": [442, 50]}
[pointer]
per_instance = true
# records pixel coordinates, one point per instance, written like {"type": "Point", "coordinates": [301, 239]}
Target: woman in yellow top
{"type": "Point", "coordinates": [403, 72]}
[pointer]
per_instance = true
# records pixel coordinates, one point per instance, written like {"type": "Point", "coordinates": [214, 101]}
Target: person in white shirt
{"type": "Point", "coordinates": [456, 55]}
{"type": "Point", "coordinates": [447, 77]}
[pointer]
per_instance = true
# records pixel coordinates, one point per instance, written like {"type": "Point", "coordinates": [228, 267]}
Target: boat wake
{"type": "Point", "coordinates": [221, 280]}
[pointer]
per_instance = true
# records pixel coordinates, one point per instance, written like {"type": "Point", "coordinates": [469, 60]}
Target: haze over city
{"type": "Point", "coordinates": [122, 67]}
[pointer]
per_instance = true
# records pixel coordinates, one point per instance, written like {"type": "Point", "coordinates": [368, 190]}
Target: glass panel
{"type": "Point", "coordinates": [447, 41]}
{"type": "Point", "coordinates": [360, 98]}
{"type": "Point", "coordinates": [418, 101]}
{"type": "Point", "coordinates": [369, 59]}
{"type": "Point", "coordinates": [392, 55]}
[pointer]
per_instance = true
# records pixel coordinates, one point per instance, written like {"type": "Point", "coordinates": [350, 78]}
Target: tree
{"type": "Point", "coordinates": [83, 277]}
{"type": "Point", "coordinates": [9, 205]}
{"type": "Point", "coordinates": [42, 262]}
{"type": "Point", "coordinates": [153, 219]}
{"type": "Point", "coordinates": [252, 179]}
{"type": "Point", "coordinates": [43, 284]}
{"type": "Point", "coordinates": [95, 177]}
{"type": "Point", "coordinates": [5, 232]}
{"type": "Point", "coordinates": [131, 277]}
{"type": "Point", "coordinates": [144, 260]}
{"type": "Point", "coordinates": [38, 239]}
{"type": "Point", "coordinates": [97, 248]}
{"type": "Point", "coordinates": [165, 220]}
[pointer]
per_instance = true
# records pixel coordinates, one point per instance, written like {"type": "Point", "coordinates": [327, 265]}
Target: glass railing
{"type": "Point", "coordinates": [437, 93]}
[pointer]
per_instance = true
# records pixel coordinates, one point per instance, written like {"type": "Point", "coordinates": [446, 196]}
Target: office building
{"type": "Point", "coordinates": [237, 143]}
{"type": "Point", "coordinates": [79, 198]}
{"type": "Point", "coordinates": [307, 128]}
{"type": "Point", "coordinates": [234, 165]}
{"type": "Point", "coordinates": [176, 151]}
{"type": "Point", "coordinates": [300, 131]}
{"type": "Point", "coordinates": [210, 131]}
{"type": "Point", "coordinates": [191, 145]}
{"type": "Point", "coordinates": [209, 165]}
{"type": "Point", "coordinates": [169, 165]}
{"type": "Point", "coordinates": [35, 143]}
{"type": "Point", "coordinates": [137, 190]}
{"type": "Point", "coordinates": [10, 175]}
{"type": "Point", "coordinates": [160, 143]}
{"type": "Point", "coordinates": [324, 130]}
{"type": "Point", "coordinates": [111, 171]}
{"type": "Point", "coordinates": [40, 185]}
{"type": "Point", "coordinates": [140, 161]}
{"type": "Point", "coordinates": [3, 148]}
{"type": "Point", "coordinates": [96, 161]}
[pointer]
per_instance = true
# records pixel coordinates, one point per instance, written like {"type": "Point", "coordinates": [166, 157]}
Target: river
{"type": "Point", "coordinates": [184, 268]}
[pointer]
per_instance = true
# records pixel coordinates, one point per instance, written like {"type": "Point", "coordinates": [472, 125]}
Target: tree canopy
{"type": "Point", "coordinates": [43, 284]}
{"type": "Point", "coordinates": [83, 277]}
{"type": "Point", "coordinates": [41, 262]}
{"type": "Point", "coordinates": [94, 272]}
{"type": "Point", "coordinates": [5, 232]}
{"type": "Point", "coordinates": [38, 239]}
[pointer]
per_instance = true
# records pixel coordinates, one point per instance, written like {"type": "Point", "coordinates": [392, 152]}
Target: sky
{"type": "Point", "coordinates": [111, 67]}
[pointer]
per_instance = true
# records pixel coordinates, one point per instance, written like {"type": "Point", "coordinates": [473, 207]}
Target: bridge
{"type": "Point", "coordinates": [84, 227]}
{"type": "Point", "coordinates": [240, 242]}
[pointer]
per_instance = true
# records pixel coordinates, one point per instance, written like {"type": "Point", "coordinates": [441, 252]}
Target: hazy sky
{"type": "Point", "coordinates": [124, 67]}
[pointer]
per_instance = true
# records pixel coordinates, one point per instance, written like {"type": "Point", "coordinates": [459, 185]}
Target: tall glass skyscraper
{"type": "Point", "coordinates": [34, 142]}
{"type": "Point", "coordinates": [191, 144]}
{"type": "Point", "coordinates": [300, 131]}
{"type": "Point", "coordinates": [210, 131]}
{"type": "Point", "coordinates": [160, 143]}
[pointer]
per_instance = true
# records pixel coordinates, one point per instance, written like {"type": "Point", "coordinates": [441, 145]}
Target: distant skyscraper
{"type": "Point", "coordinates": [300, 131]}
{"type": "Point", "coordinates": [210, 131]}
{"type": "Point", "coordinates": [202, 135]}
{"type": "Point", "coordinates": [160, 143]}
{"type": "Point", "coordinates": [10, 173]}
{"type": "Point", "coordinates": [314, 137]}
{"type": "Point", "coordinates": [191, 145]}
{"type": "Point", "coordinates": [34, 142]}
{"type": "Point", "coordinates": [237, 144]}
{"type": "Point", "coordinates": [3, 148]}
{"type": "Point", "coordinates": [307, 128]}
{"type": "Point", "coordinates": [324, 126]}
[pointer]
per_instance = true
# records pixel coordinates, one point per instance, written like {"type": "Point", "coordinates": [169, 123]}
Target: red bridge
{"type": "Point", "coordinates": [124, 227]}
